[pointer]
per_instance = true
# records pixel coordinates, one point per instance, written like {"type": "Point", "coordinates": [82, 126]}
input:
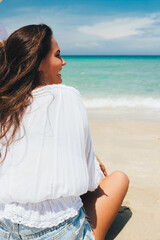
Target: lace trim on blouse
{"type": "Point", "coordinates": [45, 214]}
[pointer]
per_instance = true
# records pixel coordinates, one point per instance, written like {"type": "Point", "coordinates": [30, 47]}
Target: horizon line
{"type": "Point", "coordinates": [114, 55]}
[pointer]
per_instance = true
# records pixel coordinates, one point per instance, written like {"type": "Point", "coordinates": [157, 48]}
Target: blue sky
{"type": "Point", "coordinates": [107, 27]}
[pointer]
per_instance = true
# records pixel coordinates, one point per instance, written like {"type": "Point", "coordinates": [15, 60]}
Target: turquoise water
{"type": "Point", "coordinates": [115, 81]}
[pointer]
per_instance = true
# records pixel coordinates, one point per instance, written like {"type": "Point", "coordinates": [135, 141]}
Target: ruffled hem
{"type": "Point", "coordinates": [41, 215]}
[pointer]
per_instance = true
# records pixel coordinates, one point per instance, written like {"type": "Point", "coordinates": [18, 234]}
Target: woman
{"type": "Point", "coordinates": [48, 166]}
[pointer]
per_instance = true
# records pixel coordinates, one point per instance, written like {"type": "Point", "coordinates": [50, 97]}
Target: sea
{"type": "Point", "coordinates": [113, 82]}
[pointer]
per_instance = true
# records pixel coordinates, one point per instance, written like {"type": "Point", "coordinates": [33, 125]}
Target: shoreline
{"type": "Point", "coordinates": [130, 142]}
{"type": "Point", "coordinates": [123, 114]}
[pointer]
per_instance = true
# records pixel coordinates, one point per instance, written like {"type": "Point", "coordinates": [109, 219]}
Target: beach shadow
{"type": "Point", "coordinates": [119, 222]}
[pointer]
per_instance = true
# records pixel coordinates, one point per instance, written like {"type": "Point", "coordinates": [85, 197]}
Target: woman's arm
{"type": "Point", "coordinates": [102, 167]}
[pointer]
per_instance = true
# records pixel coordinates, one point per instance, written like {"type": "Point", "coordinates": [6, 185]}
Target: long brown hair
{"type": "Point", "coordinates": [20, 57]}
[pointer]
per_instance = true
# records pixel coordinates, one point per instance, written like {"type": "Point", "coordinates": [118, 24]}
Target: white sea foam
{"type": "Point", "coordinates": [123, 102]}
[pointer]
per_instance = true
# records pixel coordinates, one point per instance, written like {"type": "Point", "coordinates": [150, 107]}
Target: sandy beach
{"type": "Point", "coordinates": [130, 141]}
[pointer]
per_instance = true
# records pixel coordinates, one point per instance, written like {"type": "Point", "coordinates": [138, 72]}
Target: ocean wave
{"type": "Point", "coordinates": [123, 102]}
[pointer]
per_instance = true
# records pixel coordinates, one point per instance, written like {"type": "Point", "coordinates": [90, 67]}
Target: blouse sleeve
{"type": "Point", "coordinates": [94, 171]}
{"type": "Point", "coordinates": [78, 115]}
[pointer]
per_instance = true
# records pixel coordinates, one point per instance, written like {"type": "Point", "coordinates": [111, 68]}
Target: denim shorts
{"type": "Point", "coordinates": [74, 228]}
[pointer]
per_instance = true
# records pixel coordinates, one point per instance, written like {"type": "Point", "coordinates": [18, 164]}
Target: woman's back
{"type": "Point", "coordinates": [53, 140]}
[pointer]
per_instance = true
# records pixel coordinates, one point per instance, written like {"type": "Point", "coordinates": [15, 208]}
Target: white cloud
{"type": "Point", "coordinates": [87, 45]}
{"type": "Point", "coordinates": [119, 28]}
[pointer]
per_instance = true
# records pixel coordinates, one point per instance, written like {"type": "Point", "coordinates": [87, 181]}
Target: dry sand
{"type": "Point", "coordinates": [130, 142]}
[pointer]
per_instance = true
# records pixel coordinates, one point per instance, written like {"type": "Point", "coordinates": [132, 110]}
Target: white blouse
{"type": "Point", "coordinates": [51, 163]}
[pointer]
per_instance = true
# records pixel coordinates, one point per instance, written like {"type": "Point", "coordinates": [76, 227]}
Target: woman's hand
{"type": "Point", "coordinates": [102, 167]}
